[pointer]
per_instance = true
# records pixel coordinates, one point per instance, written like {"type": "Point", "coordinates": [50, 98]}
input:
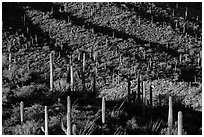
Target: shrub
{"type": "Point", "coordinates": [28, 128]}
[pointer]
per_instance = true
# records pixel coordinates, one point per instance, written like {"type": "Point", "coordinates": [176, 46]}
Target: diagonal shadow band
{"type": "Point", "coordinates": [83, 22]}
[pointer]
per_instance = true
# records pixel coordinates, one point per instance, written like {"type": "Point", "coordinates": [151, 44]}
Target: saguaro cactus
{"type": "Point", "coordinates": [186, 13]}
{"type": "Point", "coordinates": [150, 92]}
{"type": "Point", "coordinates": [68, 116]}
{"type": "Point", "coordinates": [144, 93]}
{"type": "Point", "coordinates": [83, 75]}
{"type": "Point", "coordinates": [21, 111]}
{"type": "Point", "coordinates": [95, 71]}
{"type": "Point", "coordinates": [129, 86]}
{"type": "Point", "coordinates": [170, 116]}
{"type": "Point", "coordinates": [103, 110]}
{"type": "Point", "coordinates": [46, 121]}
{"type": "Point", "coordinates": [180, 123]}
{"type": "Point", "coordinates": [138, 88]}
{"type": "Point", "coordinates": [51, 72]}
{"type": "Point", "coordinates": [71, 76]}
{"type": "Point", "coordinates": [144, 97]}
{"type": "Point", "coordinates": [10, 58]}
{"type": "Point", "coordinates": [180, 58]}
{"type": "Point", "coordinates": [68, 130]}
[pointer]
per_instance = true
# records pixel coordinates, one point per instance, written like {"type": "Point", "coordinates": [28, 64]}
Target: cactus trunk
{"type": "Point", "coordinates": [170, 116]}
{"type": "Point", "coordinates": [68, 116]}
{"type": "Point", "coordinates": [83, 71]}
{"type": "Point", "coordinates": [72, 78]}
{"type": "Point", "coordinates": [129, 86]}
{"type": "Point", "coordinates": [46, 121]}
{"type": "Point", "coordinates": [103, 110]}
{"type": "Point", "coordinates": [144, 93]}
{"type": "Point", "coordinates": [21, 111]}
{"type": "Point", "coordinates": [10, 61]}
{"type": "Point", "coordinates": [180, 123]}
{"type": "Point", "coordinates": [138, 88]}
{"type": "Point", "coordinates": [150, 91]}
{"type": "Point", "coordinates": [51, 72]}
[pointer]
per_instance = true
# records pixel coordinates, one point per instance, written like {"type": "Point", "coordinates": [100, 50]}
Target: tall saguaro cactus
{"type": "Point", "coordinates": [51, 72]}
{"type": "Point", "coordinates": [95, 70]}
{"type": "Point", "coordinates": [150, 92]}
{"type": "Point", "coordinates": [46, 121]}
{"type": "Point", "coordinates": [103, 110]}
{"type": "Point", "coordinates": [144, 97]}
{"type": "Point", "coordinates": [21, 111]}
{"type": "Point", "coordinates": [68, 130]}
{"type": "Point", "coordinates": [71, 75]}
{"type": "Point", "coordinates": [170, 116]}
{"type": "Point", "coordinates": [180, 123]}
{"type": "Point", "coordinates": [68, 115]}
{"type": "Point", "coordinates": [144, 93]}
{"type": "Point", "coordinates": [138, 88]}
{"type": "Point", "coordinates": [83, 75]}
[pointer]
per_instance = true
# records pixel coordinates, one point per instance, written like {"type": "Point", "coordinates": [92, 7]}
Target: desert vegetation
{"type": "Point", "coordinates": [101, 68]}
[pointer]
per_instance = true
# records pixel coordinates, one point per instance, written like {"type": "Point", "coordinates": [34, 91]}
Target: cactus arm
{"type": "Point", "coordinates": [42, 128]}
{"type": "Point", "coordinates": [62, 127]}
